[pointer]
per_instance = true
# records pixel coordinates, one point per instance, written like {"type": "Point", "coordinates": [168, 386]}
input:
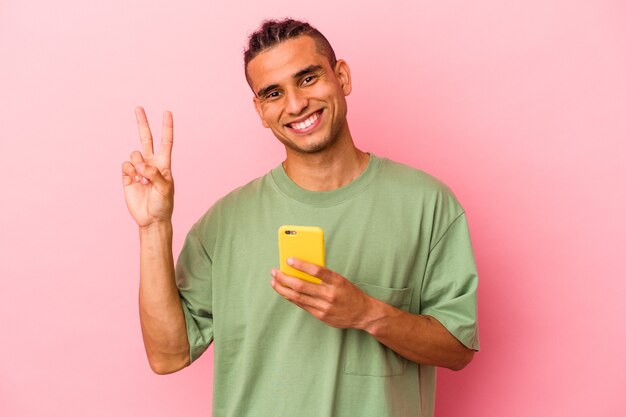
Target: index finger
{"type": "Point", "coordinates": [167, 137]}
{"type": "Point", "coordinates": [144, 132]}
{"type": "Point", "coordinates": [317, 271]}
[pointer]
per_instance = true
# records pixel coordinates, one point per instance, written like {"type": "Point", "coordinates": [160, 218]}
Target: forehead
{"type": "Point", "coordinates": [277, 65]}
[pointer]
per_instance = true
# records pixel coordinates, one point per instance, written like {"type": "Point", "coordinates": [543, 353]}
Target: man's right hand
{"type": "Point", "coordinates": [149, 193]}
{"type": "Point", "coordinates": [147, 177]}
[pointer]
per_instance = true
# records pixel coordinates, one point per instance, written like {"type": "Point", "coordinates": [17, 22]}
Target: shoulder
{"type": "Point", "coordinates": [243, 198]}
{"type": "Point", "coordinates": [414, 182]}
{"type": "Point", "coordinates": [245, 194]}
{"type": "Point", "coordinates": [420, 192]}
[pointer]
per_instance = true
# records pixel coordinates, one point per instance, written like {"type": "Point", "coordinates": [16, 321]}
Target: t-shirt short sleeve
{"type": "Point", "coordinates": [450, 282]}
{"type": "Point", "coordinates": [193, 278]}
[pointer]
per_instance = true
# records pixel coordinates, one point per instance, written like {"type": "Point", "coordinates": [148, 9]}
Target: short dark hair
{"type": "Point", "coordinates": [273, 32]}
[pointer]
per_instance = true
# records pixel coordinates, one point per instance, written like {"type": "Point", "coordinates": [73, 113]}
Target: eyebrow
{"type": "Point", "coordinates": [307, 70]}
{"type": "Point", "coordinates": [265, 90]}
{"type": "Point", "coordinates": [310, 68]}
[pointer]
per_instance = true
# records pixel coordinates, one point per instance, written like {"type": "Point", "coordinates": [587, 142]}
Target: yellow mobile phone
{"type": "Point", "coordinates": [302, 242]}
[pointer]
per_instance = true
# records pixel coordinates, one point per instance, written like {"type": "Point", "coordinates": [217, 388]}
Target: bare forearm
{"type": "Point", "coordinates": [160, 311]}
{"type": "Point", "coordinates": [421, 339]}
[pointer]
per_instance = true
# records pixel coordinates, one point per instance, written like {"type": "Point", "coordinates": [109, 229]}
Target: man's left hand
{"type": "Point", "coordinates": [335, 301]}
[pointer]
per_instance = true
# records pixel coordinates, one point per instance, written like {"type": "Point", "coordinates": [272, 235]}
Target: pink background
{"type": "Point", "coordinates": [519, 106]}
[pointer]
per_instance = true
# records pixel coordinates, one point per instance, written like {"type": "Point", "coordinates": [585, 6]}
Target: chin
{"type": "Point", "coordinates": [309, 149]}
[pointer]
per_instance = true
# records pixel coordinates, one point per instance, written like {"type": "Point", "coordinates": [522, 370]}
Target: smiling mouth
{"type": "Point", "coordinates": [306, 125]}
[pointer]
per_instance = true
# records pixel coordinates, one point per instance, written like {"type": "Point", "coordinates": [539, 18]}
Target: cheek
{"type": "Point", "coordinates": [340, 105]}
{"type": "Point", "coordinates": [271, 115]}
{"type": "Point", "coordinates": [329, 90]}
{"type": "Point", "coordinates": [332, 93]}
{"type": "Point", "coordinates": [263, 117]}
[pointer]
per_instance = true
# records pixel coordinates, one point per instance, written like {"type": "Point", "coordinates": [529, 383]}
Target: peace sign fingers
{"type": "Point", "coordinates": [164, 157]}
{"type": "Point", "coordinates": [147, 177]}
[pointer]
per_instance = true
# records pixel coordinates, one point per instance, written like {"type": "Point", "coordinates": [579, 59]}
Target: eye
{"type": "Point", "coordinates": [272, 95]}
{"type": "Point", "coordinates": [309, 79]}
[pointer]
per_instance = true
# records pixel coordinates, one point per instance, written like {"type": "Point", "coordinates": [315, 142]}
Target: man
{"type": "Point", "coordinates": [397, 298]}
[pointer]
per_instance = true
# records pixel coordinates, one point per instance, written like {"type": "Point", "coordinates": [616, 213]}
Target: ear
{"type": "Point", "coordinates": [342, 72]}
{"type": "Point", "coordinates": [259, 110]}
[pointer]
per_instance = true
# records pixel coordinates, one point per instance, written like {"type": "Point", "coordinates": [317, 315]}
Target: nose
{"type": "Point", "coordinates": [296, 102]}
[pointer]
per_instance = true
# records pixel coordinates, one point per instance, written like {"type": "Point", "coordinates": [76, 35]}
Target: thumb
{"type": "Point", "coordinates": [153, 174]}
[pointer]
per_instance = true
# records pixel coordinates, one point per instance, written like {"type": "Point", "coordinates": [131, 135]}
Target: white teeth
{"type": "Point", "coordinates": [308, 122]}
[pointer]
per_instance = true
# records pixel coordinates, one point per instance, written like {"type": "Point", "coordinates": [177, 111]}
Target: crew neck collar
{"type": "Point", "coordinates": [326, 198]}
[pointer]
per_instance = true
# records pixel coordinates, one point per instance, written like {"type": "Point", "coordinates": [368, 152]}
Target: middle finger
{"type": "Point", "coordinates": [144, 132]}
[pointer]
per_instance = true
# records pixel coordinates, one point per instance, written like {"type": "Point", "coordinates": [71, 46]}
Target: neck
{"type": "Point", "coordinates": [328, 169]}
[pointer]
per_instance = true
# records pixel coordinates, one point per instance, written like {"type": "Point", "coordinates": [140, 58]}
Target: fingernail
{"type": "Point", "coordinates": [137, 179]}
{"type": "Point", "coordinates": [273, 272]}
{"type": "Point", "coordinates": [289, 261]}
{"type": "Point", "coordinates": [144, 180]}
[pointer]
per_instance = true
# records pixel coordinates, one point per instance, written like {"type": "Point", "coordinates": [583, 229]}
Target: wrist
{"type": "Point", "coordinates": [379, 317]}
{"type": "Point", "coordinates": [157, 227]}
{"type": "Point", "coordinates": [375, 314]}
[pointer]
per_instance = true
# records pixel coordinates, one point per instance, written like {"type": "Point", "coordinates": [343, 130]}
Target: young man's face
{"type": "Point", "coordinates": [300, 96]}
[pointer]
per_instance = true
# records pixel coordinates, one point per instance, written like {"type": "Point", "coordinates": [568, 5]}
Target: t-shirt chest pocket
{"type": "Point", "coordinates": [364, 355]}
